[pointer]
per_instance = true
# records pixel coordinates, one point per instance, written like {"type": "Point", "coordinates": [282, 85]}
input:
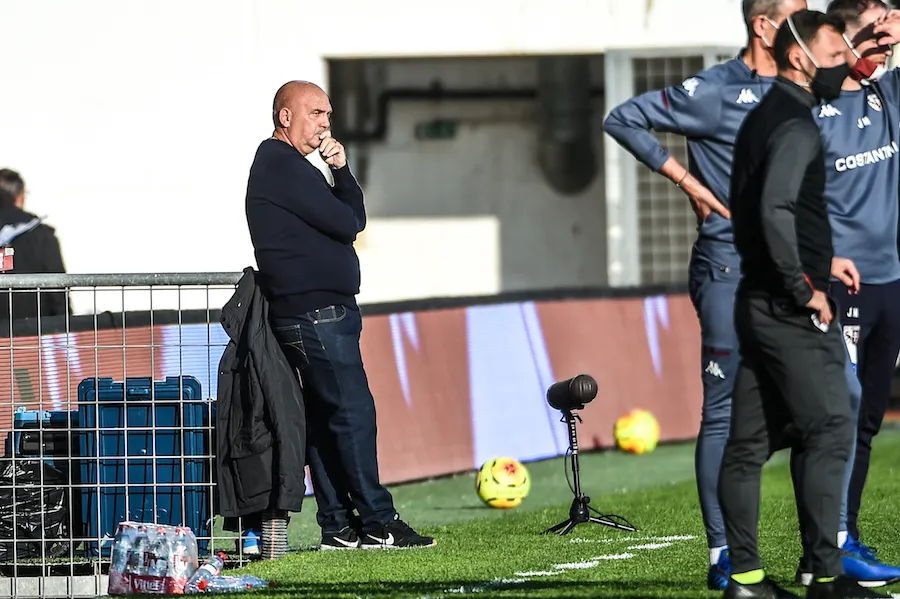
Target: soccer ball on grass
{"type": "Point", "coordinates": [637, 432]}
{"type": "Point", "coordinates": [503, 483]}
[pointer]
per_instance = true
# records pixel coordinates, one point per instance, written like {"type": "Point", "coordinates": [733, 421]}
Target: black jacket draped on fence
{"type": "Point", "coordinates": [260, 419]}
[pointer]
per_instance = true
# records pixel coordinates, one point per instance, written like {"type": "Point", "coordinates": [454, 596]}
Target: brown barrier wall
{"type": "Point", "coordinates": [430, 432]}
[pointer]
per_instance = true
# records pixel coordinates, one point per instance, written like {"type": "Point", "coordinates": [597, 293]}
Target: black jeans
{"type": "Point", "coordinates": [791, 388]}
{"type": "Point", "coordinates": [323, 346]}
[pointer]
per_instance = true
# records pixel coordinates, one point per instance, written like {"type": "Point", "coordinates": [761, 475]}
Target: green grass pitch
{"type": "Point", "coordinates": [485, 553]}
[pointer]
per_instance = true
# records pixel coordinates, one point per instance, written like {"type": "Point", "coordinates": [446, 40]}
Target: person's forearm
{"type": "Point", "coordinates": [674, 171]}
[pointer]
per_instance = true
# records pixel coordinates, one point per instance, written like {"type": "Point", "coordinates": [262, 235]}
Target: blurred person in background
{"type": "Point", "coordinates": [36, 251]}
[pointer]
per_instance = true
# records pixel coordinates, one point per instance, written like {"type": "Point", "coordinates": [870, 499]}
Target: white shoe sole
{"type": "Point", "coordinates": [364, 546]}
{"type": "Point", "coordinates": [251, 550]}
{"type": "Point", "coordinates": [806, 580]}
{"type": "Point", "coordinates": [324, 547]}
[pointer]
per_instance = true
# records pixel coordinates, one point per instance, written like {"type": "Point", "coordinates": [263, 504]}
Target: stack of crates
{"type": "Point", "coordinates": [145, 443]}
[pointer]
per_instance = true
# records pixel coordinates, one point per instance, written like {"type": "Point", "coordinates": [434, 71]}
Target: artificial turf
{"type": "Point", "coordinates": [488, 553]}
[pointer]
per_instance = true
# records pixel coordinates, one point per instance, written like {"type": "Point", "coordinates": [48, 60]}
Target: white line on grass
{"type": "Point", "coordinates": [486, 586]}
{"type": "Point", "coordinates": [593, 562]}
{"type": "Point", "coordinates": [649, 546]}
{"type": "Point", "coordinates": [577, 565]}
{"type": "Point", "coordinates": [643, 538]}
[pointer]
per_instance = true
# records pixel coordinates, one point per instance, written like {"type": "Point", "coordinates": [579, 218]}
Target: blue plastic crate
{"type": "Point", "coordinates": [37, 432]}
{"type": "Point", "coordinates": [117, 446]}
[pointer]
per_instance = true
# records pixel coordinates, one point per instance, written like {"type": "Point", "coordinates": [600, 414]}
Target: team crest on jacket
{"type": "Point", "coordinates": [874, 101]}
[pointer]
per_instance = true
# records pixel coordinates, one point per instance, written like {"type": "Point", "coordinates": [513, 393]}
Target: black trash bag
{"type": "Point", "coordinates": [35, 506]}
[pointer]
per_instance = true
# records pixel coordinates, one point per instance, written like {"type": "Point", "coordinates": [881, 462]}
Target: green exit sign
{"type": "Point", "coordinates": [436, 129]}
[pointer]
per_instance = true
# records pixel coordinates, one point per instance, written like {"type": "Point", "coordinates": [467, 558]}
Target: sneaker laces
{"type": "Point", "coordinates": [857, 548]}
{"type": "Point", "coordinates": [866, 551]}
{"type": "Point", "coordinates": [399, 525]}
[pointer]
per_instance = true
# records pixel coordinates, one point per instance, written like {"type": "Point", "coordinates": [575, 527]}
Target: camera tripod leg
{"type": "Point", "coordinates": [611, 524]}
{"type": "Point", "coordinates": [567, 524]}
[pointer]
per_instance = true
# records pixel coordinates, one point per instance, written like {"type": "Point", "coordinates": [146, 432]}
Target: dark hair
{"type": "Point", "coordinates": [808, 23]}
{"type": "Point", "coordinates": [755, 8]}
{"type": "Point", "coordinates": [849, 11]}
{"type": "Point", "coordinates": [11, 186]}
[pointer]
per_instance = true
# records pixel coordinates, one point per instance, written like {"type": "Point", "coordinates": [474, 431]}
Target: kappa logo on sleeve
{"type": "Point", "coordinates": [690, 85]}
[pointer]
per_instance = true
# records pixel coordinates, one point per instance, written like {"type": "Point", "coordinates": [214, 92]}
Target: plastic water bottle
{"type": "Point", "coordinates": [159, 554]}
{"type": "Point", "coordinates": [232, 584]}
{"type": "Point", "coordinates": [136, 561]}
{"type": "Point", "coordinates": [181, 560]}
{"type": "Point", "coordinates": [122, 545]}
{"type": "Point", "coordinates": [206, 572]}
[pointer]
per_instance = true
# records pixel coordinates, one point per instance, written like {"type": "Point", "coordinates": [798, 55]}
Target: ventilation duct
{"type": "Point", "coordinates": [565, 144]}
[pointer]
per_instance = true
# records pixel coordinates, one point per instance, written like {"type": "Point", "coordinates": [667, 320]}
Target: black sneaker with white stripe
{"type": "Point", "coordinates": [395, 534]}
{"type": "Point", "coordinates": [343, 539]}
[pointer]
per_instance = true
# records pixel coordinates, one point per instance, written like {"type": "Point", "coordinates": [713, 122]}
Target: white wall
{"type": "Point", "coordinates": [475, 215]}
{"type": "Point", "coordinates": [134, 123]}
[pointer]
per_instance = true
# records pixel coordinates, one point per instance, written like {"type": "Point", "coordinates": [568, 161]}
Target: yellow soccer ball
{"type": "Point", "coordinates": [637, 432]}
{"type": "Point", "coordinates": [503, 483]}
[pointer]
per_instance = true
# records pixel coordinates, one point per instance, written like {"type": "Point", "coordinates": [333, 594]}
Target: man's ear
{"type": "Point", "coordinates": [284, 117]}
{"type": "Point", "coordinates": [758, 26]}
{"type": "Point", "coordinates": [797, 59]}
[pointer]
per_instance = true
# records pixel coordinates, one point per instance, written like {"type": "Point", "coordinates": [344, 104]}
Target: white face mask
{"type": "Point", "coordinates": [865, 71]}
{"type": "Point", "coordinates": [774, 26]}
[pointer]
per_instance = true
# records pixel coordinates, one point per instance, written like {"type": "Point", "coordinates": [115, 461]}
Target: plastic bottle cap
{"type": "Point", "coordinates": [202, 585]}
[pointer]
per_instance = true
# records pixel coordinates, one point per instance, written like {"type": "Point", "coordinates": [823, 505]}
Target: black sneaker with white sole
{"type": "Point", "coordinates": [841, 587]}
{"type": "Point", "coordinates": [395, 534]}
{"type": "Point", "coordinates": [343, 539]}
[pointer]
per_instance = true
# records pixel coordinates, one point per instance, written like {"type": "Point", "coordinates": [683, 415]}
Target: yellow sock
{"type": "Point", "coordinates": [828, 579]}
{"type": "Point", "coordinates": [751, 577]}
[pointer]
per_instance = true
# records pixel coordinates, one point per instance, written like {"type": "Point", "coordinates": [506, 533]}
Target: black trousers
{"type": "Point", "coordinates": [790, 389]}
{"type": "Point", "coordinates": [871, 325]}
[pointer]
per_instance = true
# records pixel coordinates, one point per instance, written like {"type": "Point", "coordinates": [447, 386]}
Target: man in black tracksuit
{"type": "Point", "coordinates": [791, 374]}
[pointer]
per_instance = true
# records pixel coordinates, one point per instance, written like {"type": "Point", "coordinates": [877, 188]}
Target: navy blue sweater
{"type": "Point", "coordinates": [303, 231]}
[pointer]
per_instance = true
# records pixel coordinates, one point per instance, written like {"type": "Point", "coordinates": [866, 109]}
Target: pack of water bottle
{"type": "Point", "coordinates": [152, 559]}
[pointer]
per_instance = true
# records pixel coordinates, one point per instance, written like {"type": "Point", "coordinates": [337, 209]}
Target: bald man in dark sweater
{"type": "Point", "coordinates": [303, 231]}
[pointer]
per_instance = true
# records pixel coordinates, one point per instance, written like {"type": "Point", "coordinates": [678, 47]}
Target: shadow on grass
{"type": "Point", "coordinates": [504, 589]}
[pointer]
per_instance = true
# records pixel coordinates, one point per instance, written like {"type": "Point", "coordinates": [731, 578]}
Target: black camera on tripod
{"type": "Point", "coordinates": [566, 396]}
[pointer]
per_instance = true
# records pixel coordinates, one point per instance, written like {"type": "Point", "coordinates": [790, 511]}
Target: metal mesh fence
{"type": "Point", "coordinates": [107, 413]}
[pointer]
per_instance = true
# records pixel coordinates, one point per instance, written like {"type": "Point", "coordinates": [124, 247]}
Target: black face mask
{"type": "Point", "coordinates": [826, 85]}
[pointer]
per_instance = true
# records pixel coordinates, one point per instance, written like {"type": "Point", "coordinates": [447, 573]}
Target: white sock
{"type": "Point", "coordinates": [842, 538]}
{"type": "Point", "coordinates": [715, 553]}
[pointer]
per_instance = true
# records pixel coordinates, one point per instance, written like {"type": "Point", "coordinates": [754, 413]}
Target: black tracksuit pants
{"type": "Point", "coordinates": [871, 326]}
{"type": "Point", "coordinates": [790, 388]}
